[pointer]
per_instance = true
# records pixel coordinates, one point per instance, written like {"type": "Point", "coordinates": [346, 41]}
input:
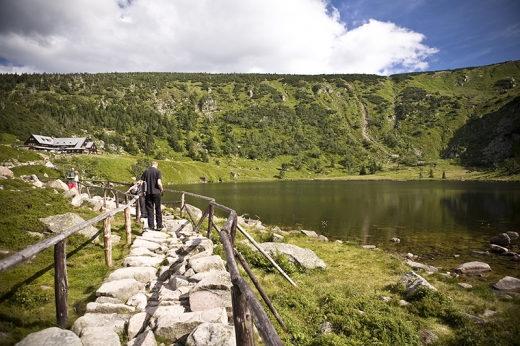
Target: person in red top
{"type": "Point", "coordinates": [153, 179]}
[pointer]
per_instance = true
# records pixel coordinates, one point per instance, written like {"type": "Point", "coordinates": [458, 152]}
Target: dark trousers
{"type": "Point", "coordinates": [153, 203]}
{"type": "Point", "coordinates": [142, 206]}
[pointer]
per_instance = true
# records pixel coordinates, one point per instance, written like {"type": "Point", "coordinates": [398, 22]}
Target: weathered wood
{"type": "Point", "coordinates": [222, 207]}
{"type": "Point", "coordinates": [262, 251]}
{"type": "Point", "coordinates": [182, 205]}
{"type": "Point", "coordinates": [242, 318]}
{"type": "Point", "coordinates": [233, 229]}
{"type": "Point", "coordinates": [266, 299]}
{"type": "Point", "coordinates": [263, 324]}
{"type": "Point", "coordinates": [128, 226]}
{"type": "Point", "coordinates": [116, 197]}
{"type": "Point", "coordinates": [108, 242]}
{"type": "Point", "coordinates": [206, 213]}
{"type": "Point", "coordinates": [61, 284]}
{"type": "Point", "coordinates": [138, 210]}
{"type": "Point", "coordinates": [231, 264]}
{"type": "Point", "coordinates": [35, 249]}
{"type": "Point", "coordinates": [210, 219]}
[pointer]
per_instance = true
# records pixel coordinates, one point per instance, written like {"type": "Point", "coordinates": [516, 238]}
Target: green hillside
{"type": "Point", "coordinates": [357, 121]}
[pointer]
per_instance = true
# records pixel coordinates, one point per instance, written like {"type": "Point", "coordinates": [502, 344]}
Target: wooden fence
{"type": "Point", "coordinates": [246, 306]}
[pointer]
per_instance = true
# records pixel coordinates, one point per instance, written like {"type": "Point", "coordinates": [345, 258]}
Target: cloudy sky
{"type": "Point", "coordinates": [256, 36]}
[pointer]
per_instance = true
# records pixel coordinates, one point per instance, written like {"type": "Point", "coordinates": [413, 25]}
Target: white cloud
{"type": "Point", "coordinates": [272, 36]}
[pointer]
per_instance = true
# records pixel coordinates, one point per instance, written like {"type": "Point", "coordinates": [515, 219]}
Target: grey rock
{"type": "Point", "coordinates": [512, 235]}
{"type": "Point", "coordinates": [304, 257]}
{"type": "Point", "coordinates": [413, 282]}
{"type": "Point", "coordinates": [137, 324]}
{"type": "Point", "coordinates": [501, 239]}
{"type": "Point", "coordinates": [416, 266]}
{"type": "Point", "coordinates": [472, 267]}
{"type": "Point", "coordinates": [53, 336]}
{"type": "Point", "coordinates": [143, 261]}
{"type": "Point", "coordinates": [498, 249]}
{"type": "Point", "coordinates": [508, 283]}
{"type": "Point", "coordinates": [59, 223]}
{"type": "Point", "coordinates": [95, 336]}
{"type": "Point", "coordinates": [474, 319]}
{"type": "Point", "coordinates": [57, 184]}
{"type": "Point", "coordinates": [212, 334]}
{"type": "Point", "coordinates": [120, 289]}
{"type": "Point", "coordinates": [211, 292]}
{"type": "Point", "coordinates": [116, 322]}
{"type": "Point", "coordinates": [178, 327]}
{"type": "Point", "coordinates": [427, 337]}
{"type": "Point", "coordinates": [108, 308]}
{"type": "Point", "coordinates": [141, 274]}
{"type": "Point", "coordinates": [145, 339]}
{"type": "Point", "coordinates": [277, 238]}
{"type": "Point", "coordinates": [205, 264]}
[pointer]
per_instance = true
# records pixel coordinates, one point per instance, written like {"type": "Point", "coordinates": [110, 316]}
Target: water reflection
{"type": "Point", "coordinates": [436, 218]}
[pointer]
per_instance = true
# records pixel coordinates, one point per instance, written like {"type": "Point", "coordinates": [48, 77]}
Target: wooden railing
{"type": "Point", "coordinates": [246, 306]}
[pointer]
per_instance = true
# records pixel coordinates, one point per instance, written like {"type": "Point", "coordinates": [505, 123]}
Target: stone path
{"type": "Point", "coordinates": [172, 289]}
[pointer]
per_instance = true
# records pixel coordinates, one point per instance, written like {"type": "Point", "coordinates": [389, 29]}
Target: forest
{"type": "Point", "coordinates": [471, 115]}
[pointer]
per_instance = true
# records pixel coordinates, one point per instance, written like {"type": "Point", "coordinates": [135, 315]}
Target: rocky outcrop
{"type": "Point", "coordinates": [303, 257]}
{"type": "Point", "coordinates": [413, 282]}
{"type": "Point", "coordinates": [508, 283]}
{"type": "Point", "coordinates": [473, 267]}
{"type": "Point", "coordinates": [58, 223]}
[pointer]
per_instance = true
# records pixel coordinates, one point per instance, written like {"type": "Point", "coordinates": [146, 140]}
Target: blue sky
{"type": "Point", "coordinates": [256, 36]}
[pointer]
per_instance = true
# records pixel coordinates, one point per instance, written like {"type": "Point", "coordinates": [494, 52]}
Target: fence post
{"type": "Point", "coordinates": [61, 283]}
{"type": "Point", "coordinates": [243, 320]}
{"type": "Point", "coordinates": [108, 241]}
{"type": "Point", "coordinates": [128, 225]}
{"type": "Point", "coordinates": [210, 220]}
{"type": "Point", "coordinates": [182, 204]}
{"type": "Point", "coordinates": [138, 209]}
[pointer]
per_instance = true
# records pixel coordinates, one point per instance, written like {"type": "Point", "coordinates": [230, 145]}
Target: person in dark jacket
{"type": "Point", "coordinates": [154, 189]}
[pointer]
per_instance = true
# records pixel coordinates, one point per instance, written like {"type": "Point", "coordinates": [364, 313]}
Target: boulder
{"type": "Point", "coordinates": [194, 246]}
{"type": "Point", "coordinates": [94, 336]}
{"type": "Point", "coordinates": [59, 223]}
{"type": "Point", "coordinates": [141, 274]}
{"type": "Point", "coordinates": [116, 322]}
{"type": "Point", "coordinates": [143, 261]}
{"type": "Point", "coordinates": [145, 339]}
{"type": "Point", "coordinates": [207, 263]}
{"type": "Point", "coordinates": [512, 235]}
{"type": "Point", "coordinates": [6, 172]}
{"type": "Point", "coordinates": [137, 324]}
{"type": "Point", "coordinates": [501, 239]}
{"type": "Point", "coordinates": [212, 334]}
{"type": "Point", "coordinates": [178, 327]}
{"type": "Point", "coordinates": [120, 289]}
{"type": "Point", "coordinates": [472, 267]}
{"type": "Point", "coordinates": [303, 257]}
{"type": "Point", "coordinates": [498, 249]}
{"type": "Point", "coordinates": [213, 291]}
{"type": "Point", "coordinates": [413, 282]}
{"type": "Point", "coordinates": [416, 266]}
{"type": "Point", "coordinates": [51, 336]}
{"type": "Point", "coordinates": [508, 283]}
{"type": "Point", "coordinates": [57, 184]}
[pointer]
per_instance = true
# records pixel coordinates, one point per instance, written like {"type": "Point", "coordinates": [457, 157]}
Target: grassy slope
{"type": "Point", "coordinates": [353, 282]}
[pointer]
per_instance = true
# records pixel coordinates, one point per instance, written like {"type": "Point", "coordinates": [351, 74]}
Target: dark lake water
{"type": "Point", "coordinates": [436, 220]}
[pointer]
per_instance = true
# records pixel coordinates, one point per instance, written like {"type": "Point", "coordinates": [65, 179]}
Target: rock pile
{"type": "Point", "coordinates": [171, 288]}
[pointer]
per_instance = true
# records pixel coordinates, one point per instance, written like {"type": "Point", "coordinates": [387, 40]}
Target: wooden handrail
{"type": "Point", "coordinates": [244, 301]}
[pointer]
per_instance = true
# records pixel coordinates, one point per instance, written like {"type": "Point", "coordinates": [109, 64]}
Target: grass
{"type": "Point", "coordinates": [347, 294]}
{"type": "Point", "coordinates": [27, 290]}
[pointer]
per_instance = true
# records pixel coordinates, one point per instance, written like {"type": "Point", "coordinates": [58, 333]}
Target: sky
{"type": "Point", "coordinates": [381, 37]}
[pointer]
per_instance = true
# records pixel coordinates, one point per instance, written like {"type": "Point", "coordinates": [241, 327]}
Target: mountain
{"type": "Point", "coordinates": [471, 114]}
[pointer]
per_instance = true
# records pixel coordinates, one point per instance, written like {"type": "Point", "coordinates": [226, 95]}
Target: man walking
{"type": "Point", "coordinates": [152, 177]}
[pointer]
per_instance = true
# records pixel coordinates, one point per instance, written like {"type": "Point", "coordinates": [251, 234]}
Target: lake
{"type": "Point", "coordinates": [441, 221]}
